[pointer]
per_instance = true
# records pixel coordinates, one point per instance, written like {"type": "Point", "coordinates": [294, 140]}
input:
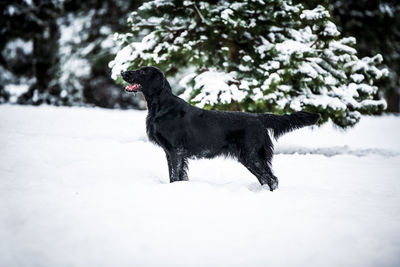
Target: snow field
{"type": "Point", "coordinates": [84, 187]}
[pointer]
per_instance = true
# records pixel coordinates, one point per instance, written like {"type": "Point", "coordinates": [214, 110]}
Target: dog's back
{"type": "Point", "coordinates": [208, 133]}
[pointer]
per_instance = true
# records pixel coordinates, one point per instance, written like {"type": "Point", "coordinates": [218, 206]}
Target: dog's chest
{"type": "Point", "coordinates": [165, 130]}
{"type": "Point", "coordinates": [154, 131]}
{"type": "Point", "coordinates": [151, 128]}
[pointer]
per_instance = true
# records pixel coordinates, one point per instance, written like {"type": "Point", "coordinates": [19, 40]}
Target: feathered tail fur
{"type": "Point", "coordinates": [281, 124]}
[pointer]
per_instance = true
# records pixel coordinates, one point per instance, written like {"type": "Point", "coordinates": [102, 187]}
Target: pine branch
{"type": "Point", "coordinates": [177, 29]}
{"type": "Point", "coordinates": [198, 13]}
{"type": "Point", "coordinates": [144, 25]}
{"type": "Point", "coordinates": [315, 42]}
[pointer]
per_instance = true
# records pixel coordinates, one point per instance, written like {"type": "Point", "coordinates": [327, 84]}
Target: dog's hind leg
{"type": "Point", "coordinates": [260, 168]}
{"type": "Point", "coordinates": [263, 173]}
{"type": "Point", "coordinates": [177, 166]}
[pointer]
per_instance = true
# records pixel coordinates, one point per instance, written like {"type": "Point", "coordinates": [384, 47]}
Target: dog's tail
{"type": "Point", "coordinates": [281, 124]}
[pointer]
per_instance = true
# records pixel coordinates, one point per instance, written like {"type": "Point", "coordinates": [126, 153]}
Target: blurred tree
{"type": "Point", "coordinates": [272, 56]}
{"type": "Point", "coordinates": [376, 25]}
{"type": "Point", "coordinates": [87, 46]}
{"type": "Point", "coordinates": [28, 42]}
{"type": "Point", "coordinates": [60, 50]}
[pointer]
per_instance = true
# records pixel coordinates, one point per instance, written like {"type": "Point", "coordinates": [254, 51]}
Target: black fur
{"type": "Point", "coordinates": [184, 131]}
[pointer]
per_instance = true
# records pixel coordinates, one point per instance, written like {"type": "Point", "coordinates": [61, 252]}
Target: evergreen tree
{"type": "Point", "coordinates": [376, 25]}
{"type": "Point", "coordinates": [28, 45]}
{"type": "Point", "coordinates": [86, 46]}
{"type": "Point", "coordinates": [57, 52]}
{"type": "Point", "coordinates": [254, 55]}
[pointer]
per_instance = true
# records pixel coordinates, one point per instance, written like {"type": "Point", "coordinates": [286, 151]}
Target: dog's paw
{"type": "Point", "coordinates": [273, 185]}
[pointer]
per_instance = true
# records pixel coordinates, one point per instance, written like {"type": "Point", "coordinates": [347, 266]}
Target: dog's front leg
{"type": "Point", "coordinates": [177, 166]}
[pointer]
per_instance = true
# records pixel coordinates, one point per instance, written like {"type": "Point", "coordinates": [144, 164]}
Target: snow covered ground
{"type": "Point", "coordinates": [84, 187]}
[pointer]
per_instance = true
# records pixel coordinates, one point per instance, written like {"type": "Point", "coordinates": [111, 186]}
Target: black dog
{"type": "Point", "coordinates": [184, 131]}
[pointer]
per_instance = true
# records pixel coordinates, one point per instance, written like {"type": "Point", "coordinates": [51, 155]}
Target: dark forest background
{"type": "Point", "coordinates": [57, 52]}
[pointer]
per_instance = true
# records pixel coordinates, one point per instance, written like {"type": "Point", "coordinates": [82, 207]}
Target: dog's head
{"type": "Point", "coordinates": [148, 80]}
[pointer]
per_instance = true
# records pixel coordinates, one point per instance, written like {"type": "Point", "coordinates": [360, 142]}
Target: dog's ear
{"type": "Point", "coordinates": [164, 81]}
{"type": "Point", "coordinates": [166, 84]}
{"type": "Point", "coordinates": [161, 81]}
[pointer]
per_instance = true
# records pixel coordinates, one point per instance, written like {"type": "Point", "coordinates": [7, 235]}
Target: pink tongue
{"type": "Point", "coordinates": [132, 87]}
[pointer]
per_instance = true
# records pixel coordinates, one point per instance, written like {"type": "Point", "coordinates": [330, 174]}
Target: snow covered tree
{"type": "Point", "coordinates": [376, 26]}
{"type": "Point", "coordinates": [56, 52]}
{"type": "Point", "coordinates": [254, 55]}
{"type": "Point", "coordinates": [86, 46]}
{"type": "Point", "coordinates": [28, 45]}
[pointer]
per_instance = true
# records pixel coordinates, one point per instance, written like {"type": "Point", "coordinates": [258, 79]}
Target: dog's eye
{"type": "Point", "coordinates": [142, 72]}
